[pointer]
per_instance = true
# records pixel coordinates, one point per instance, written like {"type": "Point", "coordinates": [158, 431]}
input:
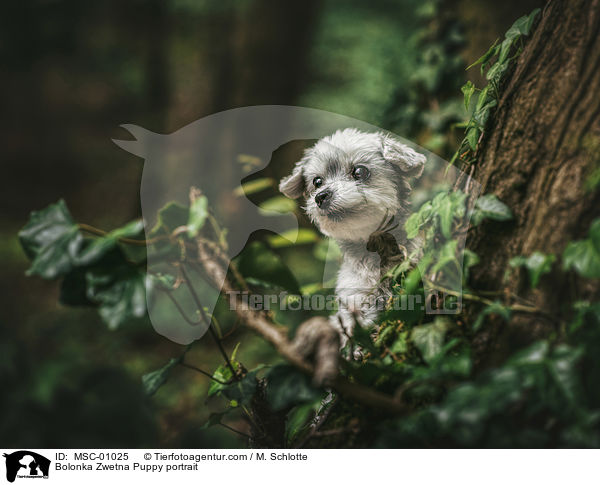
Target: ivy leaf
{"type": "Point", "coordinates": [52, 240]}
{"type": "Point", "coordinates": [412, 226]}
{"type": "Point", "coordinates": [254, 186]}
{"type": "Point", "coordinates": [473, 137]}
{"type": "Point", "coordinates": [418, 219]}
{"type": "Point", "coordinates": [583, 257]}
{"type": "Point", "coordinates": [223, 374]}
{"type": "Point", "coordinates": [468, 89]}
{"type": "Point", "coordinates": [287, 386]}
{"type": "Point", "coordinates": [495, 308]}
{"type": "Point", "coordinates": [429, 338]}
{"type": "Point", "coordinates": [563, 368]}
{"type": "Point", "coordinates": [301, 236]}
{"type": "Point", "coordinates": [299, 417]}
{"type": "Point", "coordinates": [445, 256]}
{"type": "Point", "coordinates": [197, 216]}
{"type": "Point", "coordinates": [492, 208]}
{"type": "Point", "coordinates": [261, 263]}
{"type": "Point", "coordinates": [242, 390]}
{"type": "Point", "coordinates": [170, 216]}
{"type": "Point", "coordinates": [100, 246]}
{"type": "Point", "coordinates": [446, 214]}
{"type": "Point", "coordinates": [495, 74]}
{"type": "Point", "coordinates": [487, 56]}
{"type": "Point", "coordinates": [154, 380]}
{"type": "Point", "coordinates": [120, 292]}
{"type": "Point", "coordinates": [537, 264]}
{"type": "Point", "coordinates": [522, 26]}
{"type": "Point", "coordinates": [504, 50]}
{"type": "Point", "coordinates": [277, 205]}
{"type": "Point", "coordinates": [214, 419]}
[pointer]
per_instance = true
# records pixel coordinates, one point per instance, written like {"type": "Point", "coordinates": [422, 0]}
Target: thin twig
{"type": "Point", "coordinates": [236, 431]}
{"type": "Point", "coordinates": [179, 308]}
{"type": "Point", "coordinates": [124, 240]}
{"type": "Point", "coordinates": [207, 321]}
{"type": "Point", "coordinates": [197, 369]}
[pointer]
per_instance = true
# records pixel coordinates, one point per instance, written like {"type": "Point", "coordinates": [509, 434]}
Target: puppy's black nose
{"type": "Point", "coordinates": [323, 198]}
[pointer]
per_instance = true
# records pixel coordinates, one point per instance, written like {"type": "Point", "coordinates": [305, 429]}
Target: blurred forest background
{"type": "Point", "coordinates": [74, 71]}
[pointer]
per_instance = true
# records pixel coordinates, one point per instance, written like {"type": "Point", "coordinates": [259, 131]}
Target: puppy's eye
{"type": "Point", "coordinates": [360, 172]}
{"type": "Point", "coordinates": [317, 182]}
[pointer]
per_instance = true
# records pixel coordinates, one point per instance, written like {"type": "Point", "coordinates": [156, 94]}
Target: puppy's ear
{"type": "Point", "coordinates": [402, 156]}
{"type": "Point", "coordinates": [292, 186]}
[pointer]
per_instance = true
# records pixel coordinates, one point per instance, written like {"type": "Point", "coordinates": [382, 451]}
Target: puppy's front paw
{"type": "Point", "coordinates": [317, 339]}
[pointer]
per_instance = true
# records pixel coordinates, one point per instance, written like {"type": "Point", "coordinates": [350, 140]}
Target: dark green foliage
{"type": "Point", "coordinates": [262, 267]}
{"type": "Point", "coordinates": [584, 256]}
{"type": "Point", "coordinates": [52, 241]}
{"type": "Point", "coordinates": [154, 380]}
{"type": "Point", "coordinates": [497, 61]}
{"type": "Point", "coordinates": [287, 386]}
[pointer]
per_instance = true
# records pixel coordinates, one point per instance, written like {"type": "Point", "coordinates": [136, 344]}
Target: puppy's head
{"type": "Point", "coordinates": [351, 179]}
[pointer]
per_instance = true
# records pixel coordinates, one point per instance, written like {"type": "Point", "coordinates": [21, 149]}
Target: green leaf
{"type": "Point", "coordinates": [537, 264]}
{"type": "Point", "coordinates": [412, 226]}
{"type": "Point", "coordinates": [52, 240]}
{"type": "Point", "coordinates": [429, 338]}
{"type": "Point", "coordinates": [504, 50]}
{"type": "Point", "coordinates": [214, 419]}
{"type": "Point", "coordinates": [254, 186]}
{"type": "Point", "coordinates": [400, 345]}
{"type": "Point", "coordinates": [492, 208]}
{"type": "Point", "coordinates": [197, 216]}
{"type": "Point", "coordinates": [468, 89]}
{"type": "Point", "coordinates": [300, 235]}
{"type": "Point", "coordinates": [243, 390]}
{"type": "Point", "coordinates": [299, 417]}
{"type": "Point", "coordinates": [482, 98]}
{"type": "Point", "coordinates": [522, 26]}
{"type": "Point", "coordinates": [171, 216]}
{"type": "Point", "coordinates": [583, 257]}
{"type": "Point", "coordinates": [164, 281]}
{"type": "Point", "coordinates": [154, 380]}
{"type": "Point", "coordinates": [473, 137]}
{"type": "Point", "coordinates": [277, 205]}
{"type": "Point", "coordinates": [362, 337]}
{"type": "Point", "coordinates": [261, 263]}
{"type": "Point", "coordinates": [100, 246]}
{"type": "Point", "coordinates": [495, 308]}
{"type": "Point", "coordinates": [418, 219]}
{"type": "Point", "coordinates": [223, 374]}
{"type": "Point", "coordinates": [446, 255]}
{"type": "Point", "coordinates": [446, 214]}
{"type": "Point", "coordinates": [494, 74]}
{"type": "Point", "coordinates": [470, 259]}
{"type": "Point", "coordinates": [119, 291]}
{"type": "Point", "coordinates": [327, 248]}
{"type": "Point", "coordinates": [491, 52]}
{"type": "Point", "coordinates": [286, 386]}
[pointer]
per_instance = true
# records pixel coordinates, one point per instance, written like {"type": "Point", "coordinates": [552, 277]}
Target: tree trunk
{"type": "Point", "coordinates": [541, 147]}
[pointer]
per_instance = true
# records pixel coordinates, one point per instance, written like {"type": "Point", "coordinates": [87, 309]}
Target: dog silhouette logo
{"type": "Point", "coordinates": [26, 464]}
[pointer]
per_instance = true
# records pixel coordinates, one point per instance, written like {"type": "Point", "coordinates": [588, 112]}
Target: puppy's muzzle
{"type": "Point", "coordinates": [323, 199]}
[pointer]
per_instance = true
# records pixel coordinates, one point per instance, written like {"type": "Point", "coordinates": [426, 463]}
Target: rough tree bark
{"type": "Point", "coordinates": [542, 144]}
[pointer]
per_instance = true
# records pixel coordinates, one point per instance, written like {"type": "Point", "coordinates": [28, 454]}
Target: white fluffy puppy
{"type": "Point", "coordinates": [357, 186]}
